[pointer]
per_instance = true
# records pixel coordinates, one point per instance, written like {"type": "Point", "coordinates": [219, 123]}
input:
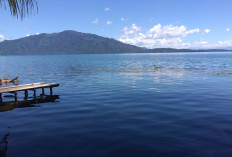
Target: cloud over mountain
{"type": "Point", "coordinates": [2, 37]}
{"type": "Point", "coordinates": [168, 36]}
{"type": "Point", "coordinates": [158, 36]}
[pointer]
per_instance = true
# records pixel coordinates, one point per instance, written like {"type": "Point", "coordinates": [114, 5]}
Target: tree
{"type": "Point", "coordinates": [20, 8]}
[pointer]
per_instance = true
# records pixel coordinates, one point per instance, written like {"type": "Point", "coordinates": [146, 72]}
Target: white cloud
{"type": "Point", "coordinates": [95, 21]}
{"type": "Point", "coordinates": [37, 33]}
{"type": "Point", "coordinates": [157, 36]}
{"type": "Point", "coordinates": [227, 29]}
{"type": "Point", "coordinates": [206, 31]}
{"type": "Point", "coordinates": [168, 36]}
{"type": "Point", "coordinates": [28, 35]}
{"type": "Point", "coordinates": [133, 30]}
{"type": "Point", "coordinates": [208, 45]}
{"type": "Point", "coordinates": [109, 22]}
{"type": "Point", "coordinates": [2, 37]}
{"type": "Point", "coordinates": [124, 19]}
{"type": "Point", "coordinates": [107, 9]}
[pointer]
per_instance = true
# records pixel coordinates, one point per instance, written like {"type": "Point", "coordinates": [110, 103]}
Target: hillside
{"type": "Point", "coordinates": [72, 42]}
{"type": "Point", "coordinates": [185, 50]}
{"type": "Point", "coordinates": [67, 42]}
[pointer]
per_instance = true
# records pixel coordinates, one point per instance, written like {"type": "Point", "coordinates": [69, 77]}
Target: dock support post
{"type": "Point", "coordinates": [34, 93]}
{"type": "Point", "coordinates": [16, 96]}
{"type": "Point", "coordinates": [42, 91]}
{"type": "Point", "coordinates": [50, 90]}
{"type": "Point", "coordinates": [26, 93]}
{"type": "Point", "coordinates": [0, 97]}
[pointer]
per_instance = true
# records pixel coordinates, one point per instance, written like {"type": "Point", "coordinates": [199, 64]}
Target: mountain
{"type": "Point", "coordinates": [67, 42]}
{"type": "Point", "coordinates": [72, 42]}
{"type": "Point", "coordinates": [186, 50]}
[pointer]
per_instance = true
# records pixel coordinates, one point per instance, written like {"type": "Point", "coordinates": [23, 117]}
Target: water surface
{"type": "Point", "coordinates": [121, 105]}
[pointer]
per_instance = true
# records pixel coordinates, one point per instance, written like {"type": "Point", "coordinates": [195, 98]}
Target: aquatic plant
{"type": "Point", "coordinates": [156, 68]}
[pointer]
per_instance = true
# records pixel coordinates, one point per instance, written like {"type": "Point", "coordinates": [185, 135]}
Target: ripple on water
{"type": "Point", "coordinates": [128, 108]}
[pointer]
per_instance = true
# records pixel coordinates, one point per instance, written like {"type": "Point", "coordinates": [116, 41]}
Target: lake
{"type": "Point", "coordinates": [170, 104]}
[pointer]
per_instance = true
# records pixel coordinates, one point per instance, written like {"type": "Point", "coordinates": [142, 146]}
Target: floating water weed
{"type": "Point", "coordinates": [156, 68]}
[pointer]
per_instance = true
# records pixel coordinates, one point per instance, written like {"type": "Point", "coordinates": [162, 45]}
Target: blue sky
{"type": "Point", "coordinates": [145, 23]}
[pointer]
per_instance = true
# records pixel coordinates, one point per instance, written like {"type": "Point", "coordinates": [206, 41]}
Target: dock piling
{"type": "Point", "coordinates": [50, 90]}
{"type": "Point", "coordinates": [16, 96]}
{"type": "Point", "coordinates": [34, 93]}
{"type": "Point", "coordinates": [26, 93]}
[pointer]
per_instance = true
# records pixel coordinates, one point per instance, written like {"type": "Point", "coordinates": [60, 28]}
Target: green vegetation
{"type": "Point", "coordinates": [156, 68]}
{"type": "Point", "coordinates": [67, 42]}
{"type": "Point", "coordinates": [72, 42]}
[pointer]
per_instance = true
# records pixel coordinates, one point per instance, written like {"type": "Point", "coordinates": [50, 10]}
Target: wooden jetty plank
{"type": "Point", "coordinates": [21, 85]}
{"type": "Point", "coordinates": [27, 87]}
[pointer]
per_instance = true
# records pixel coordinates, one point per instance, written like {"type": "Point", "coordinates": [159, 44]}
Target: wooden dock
{"type": "Point", "coordinates": [26, 88]}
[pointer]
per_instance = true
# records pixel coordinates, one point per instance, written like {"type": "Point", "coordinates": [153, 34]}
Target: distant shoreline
{"type": "Point", "coordinates": [187, 52]}
{"type": "Point", "coordinates": [72, 42]}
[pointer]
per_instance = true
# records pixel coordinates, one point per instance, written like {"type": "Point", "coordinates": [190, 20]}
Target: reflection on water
{"type": "Point", "coordinates": [122, 105]}
{"type": "Point", "coordinates": [4, 145]}
{"type": "Point", "coordinates": [11, 105]}
{"type": "Point", "coordinates": [27, 102]}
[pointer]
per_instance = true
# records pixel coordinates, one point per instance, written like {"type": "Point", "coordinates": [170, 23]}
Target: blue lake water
{"type": "Point", "coordinates": [121, 105]}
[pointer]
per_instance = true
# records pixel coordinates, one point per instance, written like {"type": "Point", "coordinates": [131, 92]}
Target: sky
{"type": "Point", "coordinates": [144, 23]}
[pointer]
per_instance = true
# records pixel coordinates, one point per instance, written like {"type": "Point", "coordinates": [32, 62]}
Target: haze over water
{"type": "Point", "coordinates": [122, 105]}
